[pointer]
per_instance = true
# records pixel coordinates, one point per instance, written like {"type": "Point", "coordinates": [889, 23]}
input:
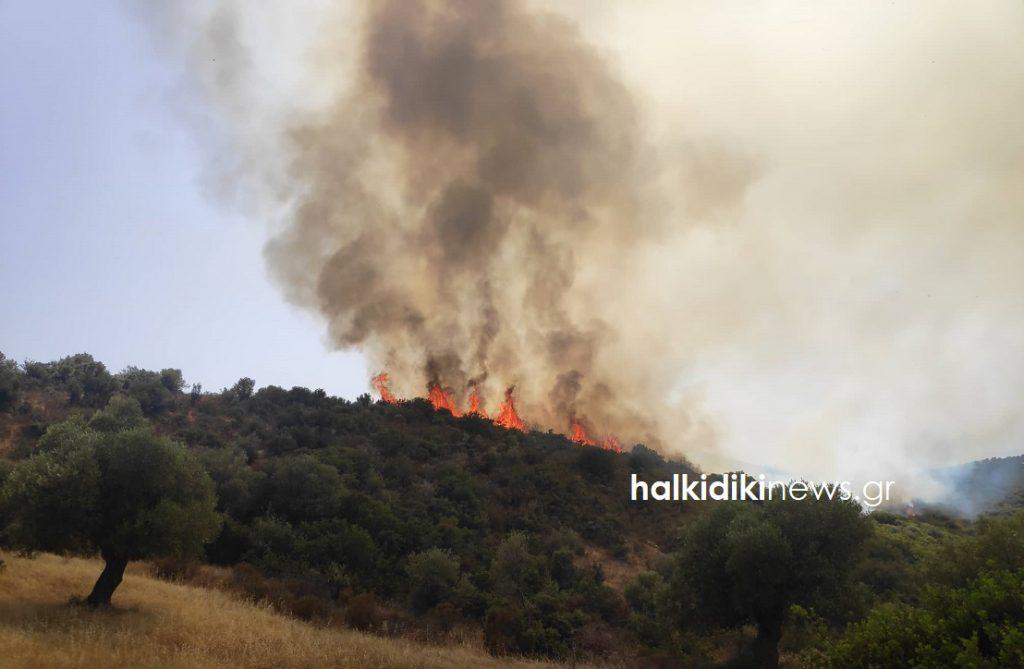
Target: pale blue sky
{"type": "Point", "coordinates": [108, 244]}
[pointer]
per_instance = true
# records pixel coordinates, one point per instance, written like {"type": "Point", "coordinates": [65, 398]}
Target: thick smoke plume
{"type": "Point", "coordinates": [448, 200]}
{"type": "Point", "coordinates": [788, 234]}
{"type": "Point", "coordinates": [460, 205]}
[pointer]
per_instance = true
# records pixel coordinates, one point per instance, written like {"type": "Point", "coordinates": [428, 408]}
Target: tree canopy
{"type": "Point", "coordinates": [749, 563]}
{"type": "Point", "coordinates": [369, 512]}
{"type": "Point", "coordinates": [110, 485]}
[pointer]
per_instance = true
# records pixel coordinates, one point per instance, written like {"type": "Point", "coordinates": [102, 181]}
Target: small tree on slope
{"type": "Point", "coordinates": [112, 486]}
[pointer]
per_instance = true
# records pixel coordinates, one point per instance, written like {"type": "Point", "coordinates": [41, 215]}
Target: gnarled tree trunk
{"type": "Point", "coordinates": [108, 581]}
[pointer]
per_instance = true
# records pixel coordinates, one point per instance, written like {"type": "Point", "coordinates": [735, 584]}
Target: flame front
{"type": "Point", "coordinates": [611, 443]}
{"type": "Point", "coordinates": [441, 398]}
{"type": "Point", "coordinates": [507, 416]}
{"type": "Point", "coordinates": [578, 433]}
{"type": "Point", "coordinates": [474, 404]}
{"type": "Point", "coordinates": [380, 383]}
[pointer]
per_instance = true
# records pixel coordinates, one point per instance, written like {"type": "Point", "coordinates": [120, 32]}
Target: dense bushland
{"type": "Point", "coordinates": [397, 518]}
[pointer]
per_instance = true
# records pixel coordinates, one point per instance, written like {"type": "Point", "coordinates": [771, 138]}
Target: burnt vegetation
{"type": "Point", "coordinates": [401, 519]}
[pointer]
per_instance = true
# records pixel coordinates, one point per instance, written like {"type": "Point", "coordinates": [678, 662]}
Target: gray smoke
{"type": "Point", "coordinates": [450, 207]}
{"type": "Point", "coordinates": [788, 233]}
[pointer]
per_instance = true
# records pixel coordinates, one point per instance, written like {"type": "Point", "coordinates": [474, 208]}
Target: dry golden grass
{"type": "Point", "coordinates": [159, 624]}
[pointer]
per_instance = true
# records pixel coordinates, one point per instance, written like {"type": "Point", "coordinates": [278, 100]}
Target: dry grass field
{"type": "Point", "coordinates": [159, 624]}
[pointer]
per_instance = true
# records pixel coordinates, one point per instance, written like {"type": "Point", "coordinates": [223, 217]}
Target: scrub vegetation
{"type": "Point", "coordinates": [292, 517]}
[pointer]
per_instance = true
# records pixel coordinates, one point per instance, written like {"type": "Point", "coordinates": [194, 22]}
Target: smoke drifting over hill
{"type": "Point", "coordinates": [789, 236]}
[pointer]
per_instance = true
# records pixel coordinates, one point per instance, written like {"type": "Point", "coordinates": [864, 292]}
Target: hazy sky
{"type": "Point", "coordinates": [109, 244]}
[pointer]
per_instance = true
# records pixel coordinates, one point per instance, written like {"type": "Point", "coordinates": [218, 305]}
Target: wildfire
{"type": "Point", "coordinates": [474, 404]}
{"type": "Point", "coordinates": [611, 443]}
{"type": "Point", "coordinates": [507, 416]}
{"type": "Point", "coordinates": [441, 398]}
{"type": "Point", "coordinates": [380, 383]}
{"type": "Point", "coordinates": [578, 433]}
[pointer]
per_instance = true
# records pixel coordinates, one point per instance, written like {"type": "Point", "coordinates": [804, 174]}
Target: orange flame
{"type": "Point", "coordinates": [441, 398]}
{"type": "Point", "coordinates": [474, 404]}
{"type": "Point", "coordinates": [578, 433]}
{"type": "Point", "coordinates": [380, 382]}
{"type": "Point", "coordinates": [611, 443]}
{"type": "Point", "coordinates": [507, 416]}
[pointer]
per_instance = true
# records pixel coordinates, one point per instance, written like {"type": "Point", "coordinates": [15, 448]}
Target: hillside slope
{"type": "Point", "coordinates": [992, 485]}
{"type": "Point", "coordinates": [160, 624]}
{"type": "Point", "coordinates": [523, 536]}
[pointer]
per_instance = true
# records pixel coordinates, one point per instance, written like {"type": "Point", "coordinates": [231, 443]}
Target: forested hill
{"type": "Point", "coordinates": [993, 485]}
{"type": "Point", "coordinates": [337, 497]}
{"type": "Point", "coordinates": [404, 520]}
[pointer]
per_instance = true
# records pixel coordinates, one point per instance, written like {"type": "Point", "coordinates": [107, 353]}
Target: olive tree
{"type": "Point", "coordinates": [122, 491]}
{"type": "Point", "coordinates": [750, 562]}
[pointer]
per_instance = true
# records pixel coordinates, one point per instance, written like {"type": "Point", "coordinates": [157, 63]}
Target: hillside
{"type": "Point", "coordinates": [993, 485]}
{"type": "Point", "coordinates": [165, 625]}
{"type": "Point", "coordinates": [440, 521]}
{"type": "Point", "coordinates": [364, 527]}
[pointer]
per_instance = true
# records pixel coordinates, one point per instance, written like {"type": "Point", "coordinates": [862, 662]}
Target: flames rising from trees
{"type": "Point", "coordinates": [475, 403]}
{"type": "Point", "coordinates": [441, 398]}
{"type": "Point", "coordinates": [507, 416]}
{"type": "Point", "coordinates": [578, 433]}
{"type": "Point", "coordinates": [470, 182]}
{"type": "Point", "coordinates": [380, 384]}
{"type": "Point", "coordinates": [472, 191]}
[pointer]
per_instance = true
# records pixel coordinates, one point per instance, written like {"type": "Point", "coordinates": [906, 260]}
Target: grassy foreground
{"type": "Point", "coordinates": [159, 624]}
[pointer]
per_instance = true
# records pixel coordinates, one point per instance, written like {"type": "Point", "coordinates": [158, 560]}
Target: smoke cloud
{"type": "Point", "coordinates": [786, 234]}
